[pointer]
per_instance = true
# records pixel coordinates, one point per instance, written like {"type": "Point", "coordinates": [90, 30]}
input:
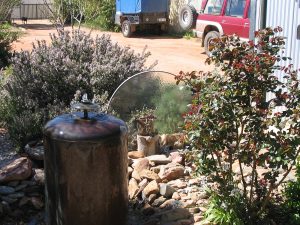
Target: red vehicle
{"type": "Point", "coordinates": [216, 18]}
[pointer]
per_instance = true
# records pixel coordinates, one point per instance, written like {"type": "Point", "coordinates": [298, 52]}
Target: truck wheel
{"type": "Point", "coordinates": [126, 28]}
{"type": "Point", "coordinates": [207, 40]}
{"type": "Point", "coordinates": [187, 17]}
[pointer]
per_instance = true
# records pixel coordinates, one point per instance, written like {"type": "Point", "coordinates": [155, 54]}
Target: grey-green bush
{"type": "Point", "coordinates": [43, 82]}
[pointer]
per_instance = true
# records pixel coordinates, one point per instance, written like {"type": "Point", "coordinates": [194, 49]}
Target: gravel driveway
{"type": "Point", "coordinates": [173, 54]}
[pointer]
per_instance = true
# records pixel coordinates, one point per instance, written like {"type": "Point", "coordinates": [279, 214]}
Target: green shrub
{"type": "Point", "coordinates": [94, 13]}
{"type": "Point", "coordinates": [292, 201]}
{"type": "Point", "coordinates": [6, 7]}
{"type": "Point", "coordinates": [169, 107]}
{"type": "Point", "coordinates": [188, 35]}
{"type": "Point", "coordinates": [43, 82]}
{"type": "Point", "coordinates": [225, 210]}
{"type": "Point", "coordinates": [105, 19]}
{"type": "Point", "coordinates": [142, 121]}
{"type": "Point", "coordinates": [7, 36]}
{"type": "Point", "coordinates": [243, 140]}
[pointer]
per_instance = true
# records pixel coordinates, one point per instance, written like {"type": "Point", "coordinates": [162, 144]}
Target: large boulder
{"type": "Point", "coordinates": [179, 184]}
{"type": "Point", "coordinates": [151, 188]}
{"type": "Point", "coordinates": [174, 214]}
{"type": "Point", "coordinates": [132, 188]}
{"type": "Point", "coordinates": [159, 201]}
{"type": "Point", "coordinates": [159, 159]}
{"type": "Point", "coordinates": [141, 164]}
{"type": "Point", "coordinates": [136, 155]}
{"type": "Point", "coordinates": [37, 202]}
{"type": "Point", "coordinates": [129, 171]}
{"type": "Point", "coordinates": [5, 190]}
{"type": "Point", "coordinates": [169, 204]}
{"type": "Point", "coordinates": [150, 175]}
{"type": "Point", "coordinates": [35, 152]}
{"type": "Point", "coordinates": [39, 176]}
{"type": "Point", "coordinates": [166, 190]}
{"type": "Point", "coordinates": [19, 169]}
{"type": "Point", "coordinates": [176, 157]}
{"type": "Point", "coordinates": [171, 171]}
{"type": "Point", "coordinates": [136, 176]}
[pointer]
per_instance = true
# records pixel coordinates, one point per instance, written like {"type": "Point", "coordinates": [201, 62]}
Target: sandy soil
{"type": "Point", "coordinates": [172, 54]}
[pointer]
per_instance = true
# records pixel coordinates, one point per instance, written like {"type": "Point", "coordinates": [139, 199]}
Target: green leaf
{"type": "Point", "coordinates": [278, 158]}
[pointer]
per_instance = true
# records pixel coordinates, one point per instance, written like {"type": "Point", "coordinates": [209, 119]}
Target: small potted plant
{"type": "Point", "coordinates": [144, 121]}
{"type": "Point", "coordinates": [147, 136]}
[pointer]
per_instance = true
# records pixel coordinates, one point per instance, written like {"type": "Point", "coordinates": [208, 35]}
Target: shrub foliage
{"type": "Point", "coordinates": [242, 138]}
{"type": "Point", "coordinates": [292, 201]}
{"type": "Point", "coordinates": [105, 19]}
{"type": "Point", "coordinates": [43, 82]}
{"type": "Point", "coordinates": [6, 7]}
{"type": "Point", "coordinates": [97, 13]}
{"type": "Point", "coordinates": [7, 36]}
{"type": "Point", "coordinates": [169, 107]}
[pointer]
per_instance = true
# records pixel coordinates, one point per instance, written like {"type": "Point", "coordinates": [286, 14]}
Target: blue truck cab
{"type": "Point", "coordinates": [131, 14]}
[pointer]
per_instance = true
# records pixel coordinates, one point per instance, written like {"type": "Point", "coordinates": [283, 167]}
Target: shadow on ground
{"type": "Point", "coordinates": [37, 26]}
{"type": "Point", "coordinates": [149, 34]}
{"type": "Point", "coordinates": [136, 216]}
{"type": "Point", "coordinates": [144, 214]}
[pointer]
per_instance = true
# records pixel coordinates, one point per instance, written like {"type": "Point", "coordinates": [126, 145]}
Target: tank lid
{"type": "Point", "coordinates": [75, 127]}
{"type": "Point", "coordinates": [85, 105]}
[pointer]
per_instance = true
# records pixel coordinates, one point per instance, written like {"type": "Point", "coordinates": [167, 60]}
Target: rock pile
{"type": "Point", "coordinates": [22, 192]}
{"type": "Point", "coordinates": [162, 190]}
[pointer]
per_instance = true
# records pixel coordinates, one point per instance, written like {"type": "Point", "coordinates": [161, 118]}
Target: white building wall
{"type": "Point", "coordinates": [16, 14]}
{"type": "Point", "coordinates": [286, 14]}
{"type": "Point", "coordinates": [32, 9]}
{"type": "Point", "coordinates": [295, 48]}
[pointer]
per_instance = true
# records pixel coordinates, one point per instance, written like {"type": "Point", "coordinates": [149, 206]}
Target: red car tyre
{"type": "Point", "coordinates": [209, 36]}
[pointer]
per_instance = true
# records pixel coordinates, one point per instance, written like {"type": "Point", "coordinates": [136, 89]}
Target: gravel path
{"type": "Point", "coordinates": [7, 153]}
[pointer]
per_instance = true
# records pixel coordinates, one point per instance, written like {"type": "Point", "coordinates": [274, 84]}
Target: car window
{"type": "Point", "coordinates": [213, 7]}
{"type": "Point", "coordinates": [235, 8]}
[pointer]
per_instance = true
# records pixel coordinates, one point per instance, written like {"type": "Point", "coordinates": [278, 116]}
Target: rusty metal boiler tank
{"type": "Point", "coordinates": [86, 169]}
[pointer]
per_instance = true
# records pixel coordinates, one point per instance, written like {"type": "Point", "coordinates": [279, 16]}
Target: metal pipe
{"type": "Point", "coordinates": [263, 13]}
{"type": "Point", "coordinates": [253, 7]}
{"type": "Point", "coordinates": [257, 18]}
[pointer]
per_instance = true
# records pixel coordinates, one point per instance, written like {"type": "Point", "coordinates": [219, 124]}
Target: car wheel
{"type": "Point", "coordinates": [126, 28]}
{"type": "Point", "coordinates": [187, 17]}
{"type": "Point", "coordinates": [207, 41]}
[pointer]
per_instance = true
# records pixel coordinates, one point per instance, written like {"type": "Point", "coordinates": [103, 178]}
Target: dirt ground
{"type": "Point", "coordinates": [173, 54]}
